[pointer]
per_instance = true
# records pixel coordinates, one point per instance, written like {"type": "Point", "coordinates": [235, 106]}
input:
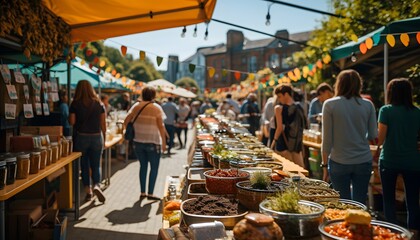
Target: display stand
{"type": "Point", "coordinates": [69, 185]}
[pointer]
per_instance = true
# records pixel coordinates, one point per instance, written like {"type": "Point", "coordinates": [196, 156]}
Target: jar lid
{"type": "Point", "coordinates": [10, 159]}
{"type": "Point", "coordinates": [69, 137]}
{"type": "Point", "coordinates": [43, 148]}
{"type": "Point", "coordinates": [35, 153]}
{"type": "Point", "coordinates": [2, 163]}
{"type": "Point", "coordinates": [54, 144]}
{"type": "Point", "coordinates": [26, 155]}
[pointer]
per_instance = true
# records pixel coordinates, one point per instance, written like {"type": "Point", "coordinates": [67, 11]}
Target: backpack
{"type": "Point", "coordinates": [293, 131]}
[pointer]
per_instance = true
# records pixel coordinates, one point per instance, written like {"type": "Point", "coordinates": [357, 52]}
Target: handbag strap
{"type": "Point", "coordinates": [140, 112]}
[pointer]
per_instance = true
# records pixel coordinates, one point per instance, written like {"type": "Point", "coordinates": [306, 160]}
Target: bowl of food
{"type": "Point", "coordinates": [268, 164]}
{"type": "Point", "coordinates": [335, 210]}
{"type": "Point", "coordinates": [212, 208]}
{"type": "Point", "coordinates": [297, 218]}
{"type": "Point", "coordinates": [242, 163]}
{"type": "Point", "coordinates": [223, 181]}
{"type": "Point", "coordinates": [251, 193]}
{"type": "Point", "coordinates": [253, 170]}
{"type": "Point", "coordinates": [358, 225]}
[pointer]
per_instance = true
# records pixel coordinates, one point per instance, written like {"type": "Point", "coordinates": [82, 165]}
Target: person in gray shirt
{"type": "Point", "coordinates": [349, 122]}
{"type": "Point", "coordinates": [171, 110]}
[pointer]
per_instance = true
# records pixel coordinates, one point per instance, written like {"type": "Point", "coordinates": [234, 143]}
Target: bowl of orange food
{"type": "Point", "coordinates": [358, 225]}
{"type": "Point", "coordinates": [335, 210]}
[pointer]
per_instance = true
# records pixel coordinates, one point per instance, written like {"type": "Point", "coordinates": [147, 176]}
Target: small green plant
{"type": "Point", "coordinates": [260, 180]}
{"type": "Point", "coordinates": [285, 202]}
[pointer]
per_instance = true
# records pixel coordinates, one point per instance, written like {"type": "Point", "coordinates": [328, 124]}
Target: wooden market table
{"type": "Point", "coordinates": [107, 159]}
{"type": "Point", "coordinates": [69, 184]}
{"type": "Point", "coordinates": [290, 166]}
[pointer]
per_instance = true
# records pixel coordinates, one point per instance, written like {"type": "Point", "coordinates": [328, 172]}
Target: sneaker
{"type": "Point", "coordinates": [98, 192]}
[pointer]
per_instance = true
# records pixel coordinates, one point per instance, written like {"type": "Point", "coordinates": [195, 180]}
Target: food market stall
{"type": "Point", "coordinates": [237, 188]}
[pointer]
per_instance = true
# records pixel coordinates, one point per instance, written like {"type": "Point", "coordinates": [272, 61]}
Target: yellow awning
{"type": "Point", "coordinates": [95, 20]}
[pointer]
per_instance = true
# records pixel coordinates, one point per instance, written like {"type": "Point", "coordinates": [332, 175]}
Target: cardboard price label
{"type": "Point", "coordinates": [28, 111]}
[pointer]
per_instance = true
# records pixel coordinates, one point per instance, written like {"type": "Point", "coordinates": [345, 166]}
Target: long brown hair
{"type": "Point", "coordinates": [85, 93]}
{"type": "Point", "coordinates": [399, 92]}
{"type": "Point", "coordinates": [348, 84]}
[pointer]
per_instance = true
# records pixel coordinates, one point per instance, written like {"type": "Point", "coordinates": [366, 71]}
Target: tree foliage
{"type": "Point", "coordinates": [188, 83]}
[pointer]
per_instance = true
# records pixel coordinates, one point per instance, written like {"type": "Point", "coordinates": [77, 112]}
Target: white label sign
{"type": "Point", "coordinates": [38, 108]}
{"type": "Point", "coordinates": [19, 77]}
{"type": "Point", "coordinates": [46, 109]}
{"type": "Point", "coordinates": [28, 110]}
{"type": "Point", "coordinates": [10, 110]}
{"type": "Point", "coordinates": [5, 72]}
{"type": "Point", "coordinates": [11, 90]}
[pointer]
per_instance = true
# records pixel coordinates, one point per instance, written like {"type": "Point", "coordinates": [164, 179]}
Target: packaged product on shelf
{"type": "Point", "coordinates": [23, 165]}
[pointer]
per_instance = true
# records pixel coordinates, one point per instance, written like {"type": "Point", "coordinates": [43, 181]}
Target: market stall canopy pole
{"type": "Point", "coordinates": [95, 20]}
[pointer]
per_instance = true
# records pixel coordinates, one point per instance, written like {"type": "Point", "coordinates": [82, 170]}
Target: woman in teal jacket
{"type": "Point", "coordinates": [399, 128]}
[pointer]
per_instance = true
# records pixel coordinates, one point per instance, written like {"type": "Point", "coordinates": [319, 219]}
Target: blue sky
{"type": "Point", "coordinates": [248, 13]}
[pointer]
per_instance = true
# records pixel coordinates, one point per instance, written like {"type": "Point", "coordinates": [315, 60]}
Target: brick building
{"type": "Point", "coordinates": [246, 55]}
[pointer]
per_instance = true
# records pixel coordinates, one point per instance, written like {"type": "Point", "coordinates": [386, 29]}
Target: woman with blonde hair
{"type": "Point", "coordinates": [348, 123]}
{"type": "Point", "coordinates": [87, 115]}
{"type": "Point", "coordinates": [149, 138]}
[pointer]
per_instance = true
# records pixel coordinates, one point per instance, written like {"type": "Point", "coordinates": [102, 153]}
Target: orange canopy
{"type": "Point", "coordinates": [95, 20]}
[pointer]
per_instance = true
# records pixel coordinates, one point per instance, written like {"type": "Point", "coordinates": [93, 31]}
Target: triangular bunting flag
{"type": "Point", "coordinates": [142, 55]}
{"type": "Point", "coordinates": [363, 48]}
{"type": "Point", "coordinates": [369, 43]}
{"type": "Point", "coordinates": [237, 76]}
{"type": "Point", "coordinates": [123, 50]}
{"type": "Point", "coordinates": [159, 60]}
{"type": "Point", "coordinates": [211, 71]}
{"type": "Point", "coordinates": [405, 39]}
{"type": "Point", "coordinates": [391, 40]}
{"type": "Point", "coordinates": [418, 37]}
{"type": "Point", "coordinates": [224, 72]}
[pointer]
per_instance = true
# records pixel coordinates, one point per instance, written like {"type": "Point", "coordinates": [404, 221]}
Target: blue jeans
{"type": "Point", "coordinates": [147, 153]}
{"type": "Point", "coordinates": [355, 175]}
{"type": "Point", "coordinates": [171, 132]}
{"type": "Point", "coordinates": [412, 188]}
{"type": "Point", "coordinates": [91, 147]}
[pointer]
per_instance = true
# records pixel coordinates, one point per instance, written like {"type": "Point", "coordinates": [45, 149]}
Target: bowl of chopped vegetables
{"type": "Point", "coordinates": [223, 181]}
{"type": "Point", "coordinates": [338, 209]}
{"type": "Point", "coordinates": [297, 218]}
{"type": "Point", "coordinates": [340, 229]}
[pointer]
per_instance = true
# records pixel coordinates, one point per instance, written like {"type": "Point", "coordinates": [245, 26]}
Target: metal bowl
{"type": "Point", "coordinates": [228, 221]}
{"type": "Point", "coordinates": [251, 198]}
{"type": "Point", "coordinates": [296, 225]}
{"type": "Point", "coordinates": [394, 228]}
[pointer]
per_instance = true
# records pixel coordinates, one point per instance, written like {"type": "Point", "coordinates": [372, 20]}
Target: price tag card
{"type": "Point", "coordinates": [26, 91]}
{"type": "Point", "coordinates": [54, 96]}
{"type": "Point", "coordinates": [10, 110]}
{"type": "Point", "coordinates": [45, 87]}
{"type": "Point", "coordinates": [5, 73]}
{"type": "Point", "coordinates": [37, 96]}
{"type": "Point", "coordinates": [19, 77]}
{"type": "Point", "coordinates": [46, 109]}
{"type": "Point", "coordinates": [28, 110]}
{"type": "Point", "coordinates": [38, 108]}
{"type": "Point", "coordinates": [36, 82]}
{"type": "Point", "coordinates": [11, 90]}
{"type": "Point", "coordinates": [54, 85]}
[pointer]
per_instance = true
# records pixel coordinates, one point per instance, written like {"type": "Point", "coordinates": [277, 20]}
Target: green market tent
{"type": "Point", "coordinates": [382, 58]}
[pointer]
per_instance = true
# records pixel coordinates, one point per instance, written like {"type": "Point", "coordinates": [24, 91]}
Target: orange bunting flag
{"type": "Point", "coordinates": [418, 37]}
{"type": "Point", "coordinates": [363, 48]}
{"type": "Point", "coordinates": [296, 71]}
{"type": "Point", "coordinates": [142, 55]}
{"type": "Point", "coordinates": [159, 60]}
{"type": "Point", "coordinates": [89, 52]}
{"type": "Point", "coordinates": [102, 63]}
{"type": "Point", "coordinates": [369, 43]}
{"type": "Point", "coordinates": [405, 39]}
{"type": "Point", "coordinates": [83, 45]}
{"type": "Point", "coordinates": [326, 59]}
{"type": "Point", "coordinates": [237, 76]}
{"type": "Point", "coordinates": [114, 72]}
{"type": "Point", "coordinates": [271, 83]}
{"type": "Point", "coordinates": [224, 72]}
{"type": "Point", "coordinates": [391, 40]}
{"type": "Point", "coordinates": [82, 62]}
{"type": "Point", "coordinates": [291, 75]}
{"type": "Point", "coordinates": [95, 60]}
{"type": "Point", "coordinates": [118, 75]}
{"type": "Point", "coordinates": [211, 71]}
{"type": "Point", "coordinates": [123, 50]}
{"type": "Point", "coordinates": [251, 76]}
{"type": "Point", "coordinates": [319, 64]}
{"type": "Point", "coordinates": [108, 69]}
{"type": "Point", "coordinates": [124, 79]}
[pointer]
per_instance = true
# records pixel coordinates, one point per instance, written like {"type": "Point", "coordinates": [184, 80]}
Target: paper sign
{"type": "Point", "coordinates": [54, 85]}
{"type": "Point", "coordinates": [19, 77]}
{"type": "Point", "coordinates": [10, 110]}
{"type": "Point", "coordinates": [28, 111]}
{"type": "Point", "coordinates": [45, 87]}
{"type": "Point", "coordinates": [36, 82]}
{"type": "Point", "coordinates": [11, 90]}
{"type": "Point", "coordinates": [54, 97]}
{"type": "Point", "coordinates": [38, 108]}
{"type": "Point", "coordinates": [5, 72]}
{"type": "Point", "coordinates": [26, 91]}
{"type": "Point", "coordinates": [37, 96]}
{"type": "Point", "coordinates": [46, 109]}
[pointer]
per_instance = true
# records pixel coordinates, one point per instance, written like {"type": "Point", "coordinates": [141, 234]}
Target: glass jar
{"type": "Point", "coordinates": [70, 140]}
{"type": "Point", "coordinates": [55, 152]}
{"type": "Point", "coordinates": [23, 165]}
{"type": "Point", "coordinates": [65, 148]}
{"type": "Point", "coordinates": [49, 155]}
{"type": "Point", "coordinates": [43, 163]}
{"type": "Point", "coordinates": [35, 162]}
{"type": "Point", "coordinates": [60, 150]}
{"type": "Point", "coordinates": [11, 170]}
{"type": "Point", "coordinates": [3, 173]}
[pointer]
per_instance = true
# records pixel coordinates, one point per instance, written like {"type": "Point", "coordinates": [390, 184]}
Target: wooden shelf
{"type": "Point", "coordinates": [22, 184]}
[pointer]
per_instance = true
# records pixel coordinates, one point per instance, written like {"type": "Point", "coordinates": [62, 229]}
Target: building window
{"type": "Point", "coordinates": [274, 61]}
{"type": "Point", "coordinates": [252, 64]}
{"type": "Point", "coordinates": [284, 63]}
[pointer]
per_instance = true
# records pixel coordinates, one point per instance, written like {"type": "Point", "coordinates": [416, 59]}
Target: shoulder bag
{"type": "Point", "coordinates": [129, 130]}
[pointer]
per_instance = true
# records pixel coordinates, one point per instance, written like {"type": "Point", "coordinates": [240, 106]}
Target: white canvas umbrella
{"type": "Point", "coordinates": [162, 84]}
{"type": "Point", "coordinates": [182, 92]}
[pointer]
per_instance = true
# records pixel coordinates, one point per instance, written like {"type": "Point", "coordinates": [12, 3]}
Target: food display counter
{"type": "Point", "coordinates": [235, 188]}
